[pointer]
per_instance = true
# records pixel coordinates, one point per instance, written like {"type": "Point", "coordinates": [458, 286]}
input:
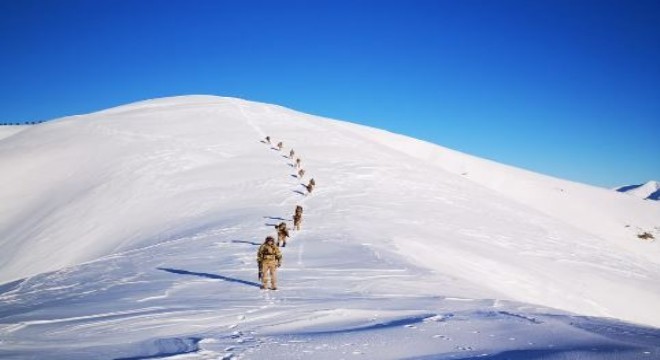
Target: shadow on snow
{"type": "Point", "coordinates": [275, 218]}
{"type": "Point", "coordinates": [575, 352]}
{"type": "Point", "coordinates": [245, 242]}
{"type": "Point", "coordinates": [210, 276]}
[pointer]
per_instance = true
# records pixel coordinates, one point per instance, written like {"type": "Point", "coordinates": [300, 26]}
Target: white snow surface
{"type": "Point", "coordinates": [10, 130]}
{"type": "Point", "coordinates": [132, 233]}
{"type": "Point", "coordinates": [649, 190]}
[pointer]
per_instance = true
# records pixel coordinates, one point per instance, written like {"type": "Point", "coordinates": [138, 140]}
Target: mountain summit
{"type": "Point", "coordinates": [132, 233]}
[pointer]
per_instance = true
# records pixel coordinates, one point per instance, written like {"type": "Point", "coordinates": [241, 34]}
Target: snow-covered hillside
{"type": "Point", "coordinates": [132, 233]}
{"type": "Point", "coordinates": [9, 130]}
{"type": "Point", "coordinates": [649, 190]}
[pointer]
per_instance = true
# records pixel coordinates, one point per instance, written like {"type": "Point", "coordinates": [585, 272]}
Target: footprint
{"type": "Point", "coordinates": [443, 337]}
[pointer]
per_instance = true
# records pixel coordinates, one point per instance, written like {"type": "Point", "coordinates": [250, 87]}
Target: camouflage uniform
{"type": "Point", "coordinates": [297, 218]}
{"type": "Point", "coordinates": [310, 186]}
{"type": "Point", "coordinates": [291, 153]}
{"type": "Point", "coordinates": [282, 234]}
{"type": "Point", "coordinates": [270, 258]}
{"type": "Point", "coordinates": [280, 145]}
{"type": "Point", "coordinates": [298, 163]}
{"type": "Point", "coordinates": [301, 173]}
{"type": "Point", "coordinates": [268, 139]}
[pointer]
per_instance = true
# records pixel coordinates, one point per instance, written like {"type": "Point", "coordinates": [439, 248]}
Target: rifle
{"type": "Point", "coordinates": [259, 269]}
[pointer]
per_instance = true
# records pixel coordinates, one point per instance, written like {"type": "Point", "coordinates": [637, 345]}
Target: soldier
{"type": "Point", "coordinates": [301, 173]}
{"type": "Point", "coordinates": [297, 218]}
{"type": "Point", "coordinates": [282, 234]}
{"type": "Point", "coordinates": [268, 139]}
{"type": "Point", "coordinates": [310, 186]}
{"type": "Point", "coordinates": [291, 153]}
{"type": "Point", "coordinates": [298, 163]}
{"type": "Point", "coordinates": [270, 258]}
{"type": "Point", "coordinates": [280, 146]}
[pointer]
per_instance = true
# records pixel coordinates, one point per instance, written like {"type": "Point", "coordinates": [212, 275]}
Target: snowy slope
{"type": "Point", "coordinates": [132, 232]}
{"type": "Point", "coordinates": [9, 130]}
{"type": "Point", "coordinates": [649, 190]}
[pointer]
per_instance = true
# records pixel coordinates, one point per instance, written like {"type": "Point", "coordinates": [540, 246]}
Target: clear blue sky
{"type": "Point", "coordinates": [569, 88]}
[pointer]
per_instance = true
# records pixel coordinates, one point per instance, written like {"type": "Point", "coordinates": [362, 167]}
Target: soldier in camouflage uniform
{"type": "Point", "coordinates": [297, 218]}
{"type": "Point", "coordinates": [270, 258]}
{"type": "Point", "coordinates": [282, 234]}
{"type": "Point", "coordinates": [310, 186]}
{"type": "Point", "coordinates": [301, 173]}
{"type": "Point", "coordinates": [280, 145]}
{"type": "Point", "coordinates": [291, 153]}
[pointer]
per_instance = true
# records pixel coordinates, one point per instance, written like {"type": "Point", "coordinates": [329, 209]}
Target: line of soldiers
{"type": "Point", "coordinates": [298, 165]}
{"type": "Point", "coordinates": [269, 256]}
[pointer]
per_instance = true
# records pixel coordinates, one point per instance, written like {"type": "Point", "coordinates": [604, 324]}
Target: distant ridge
{"type": "Point", "coordinates": [648, 191]}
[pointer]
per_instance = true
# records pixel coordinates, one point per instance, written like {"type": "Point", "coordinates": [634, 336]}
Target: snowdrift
{"type": "Point", "coordinates": [107, 208]}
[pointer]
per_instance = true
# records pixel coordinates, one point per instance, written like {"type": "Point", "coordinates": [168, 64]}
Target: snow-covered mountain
{"type": "Point", "coordinates": [132, 233]}
{"type": "Point", "coordinates": [649, 190]}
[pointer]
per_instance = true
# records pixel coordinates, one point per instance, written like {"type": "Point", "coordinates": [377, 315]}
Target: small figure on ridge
{"type": "Point", "coordinates": [297, 218]}
{"type": "Point", "coordinates": [282, 234]}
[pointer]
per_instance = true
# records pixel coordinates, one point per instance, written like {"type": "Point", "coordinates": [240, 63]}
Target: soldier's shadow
{"type": "Point", "coordinates": [274, 218]}
{"type": "Point", "coordinates": [210, 276]}
{"type": "Point", "coordinates": [299, 192]}
{"type": "Point", "coordinates": [245, 242]}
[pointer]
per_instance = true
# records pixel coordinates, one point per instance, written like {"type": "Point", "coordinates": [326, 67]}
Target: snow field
{"type": "Point", "coordinates": [147, 247]}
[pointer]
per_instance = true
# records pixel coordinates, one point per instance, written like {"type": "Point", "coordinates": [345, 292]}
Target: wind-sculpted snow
{"type": "Point", "coordinates": [132, 233]}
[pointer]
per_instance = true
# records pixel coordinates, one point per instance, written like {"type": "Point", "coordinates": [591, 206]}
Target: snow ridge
{"type": "Point", "coordinates": [132, 233]}
{"type": "Point", "coordinates": [648, 191]}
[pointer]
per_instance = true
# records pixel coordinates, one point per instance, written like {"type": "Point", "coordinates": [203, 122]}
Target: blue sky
{"type": "Point", "coordinates": [566, 88]}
